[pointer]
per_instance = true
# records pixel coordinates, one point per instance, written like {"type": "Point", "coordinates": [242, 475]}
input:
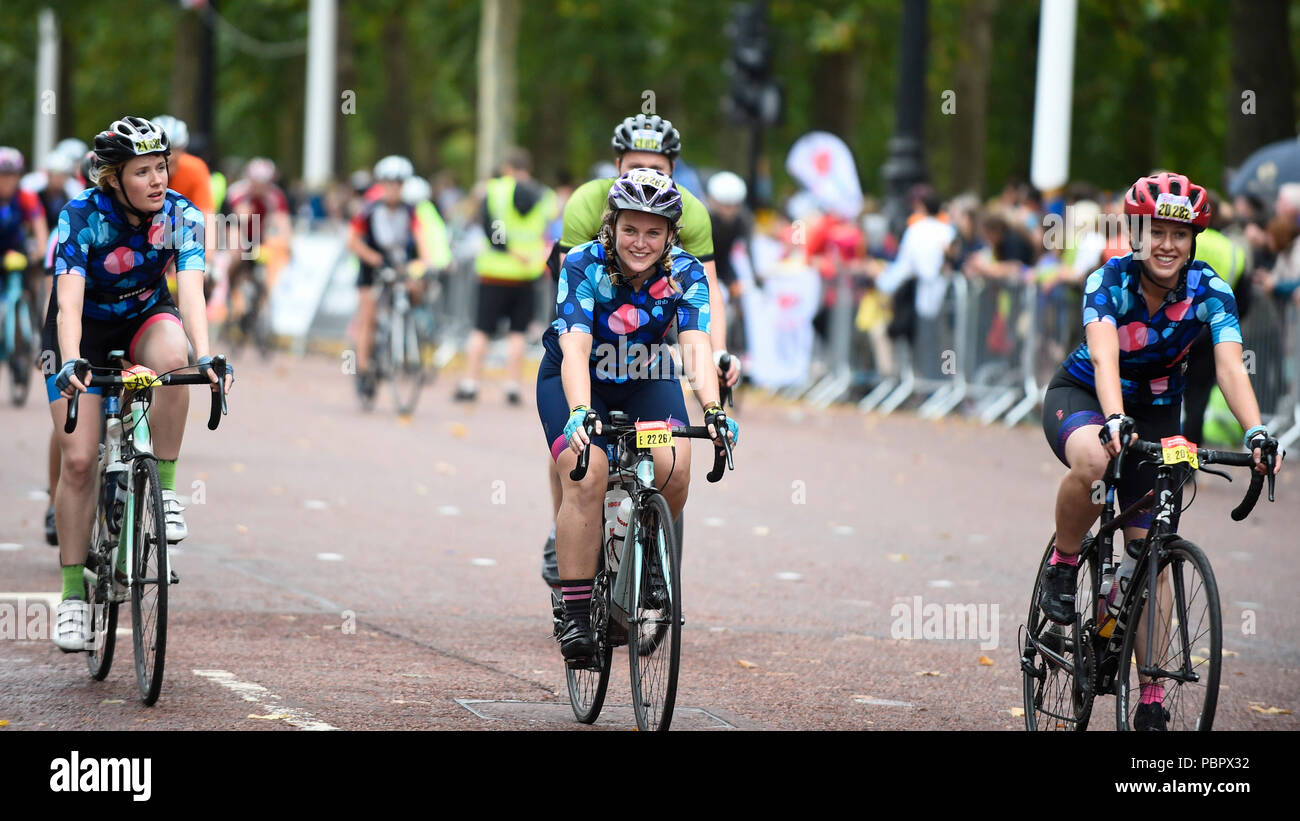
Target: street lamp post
{"type": "Point", "coordinates": [906, 164]}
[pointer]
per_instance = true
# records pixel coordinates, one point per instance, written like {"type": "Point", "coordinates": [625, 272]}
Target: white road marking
{"type": "Point", "coordinates": [788, 576]}
{"type": "Point", "coordinates": [10, 546]}
{"type": "Point", "coordinates": [448, 510]}
{"type": "Point", "coordinates": [843, 530]}
{"type": "Point", "coordinates": [483, 562]}
{"type": "Point", "coordinates": [883, 702]}
{"type": "Point", "coordinates": [714, 521]}
{"type": "Point", "coordinates": [265, 700]}
{"type": "Point", "coordinates": [330, 557]}
{"type": "Point", "coordinates": [939, 583]}
{"type": "Point", "coordinates": [314, 504]}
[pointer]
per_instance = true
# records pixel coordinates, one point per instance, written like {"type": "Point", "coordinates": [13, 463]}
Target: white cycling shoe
{"type": "Point", "coordinates": [72, 625]}
{"type": "Point", "coordinates": [175, 522]}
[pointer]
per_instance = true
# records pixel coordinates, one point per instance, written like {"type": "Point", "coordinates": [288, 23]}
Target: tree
{"type": "Point", "coordinates": [1261, 96]}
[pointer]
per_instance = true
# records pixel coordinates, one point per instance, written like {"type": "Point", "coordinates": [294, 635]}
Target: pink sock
{"type": "Point", "coordinates": [1059, 558]}
{"type": "Point", "coordinates": [1152, 693]}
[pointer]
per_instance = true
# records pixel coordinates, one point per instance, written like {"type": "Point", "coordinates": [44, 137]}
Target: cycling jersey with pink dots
{"type": "Point", "coordinates": [624, 320]}
{"type": "Point", "coordinates": [1153, 349]}
{"type": "Point", "coordinates": [124, 265]}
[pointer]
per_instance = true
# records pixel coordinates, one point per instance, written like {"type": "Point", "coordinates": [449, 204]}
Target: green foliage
{"type": "Point", "coordinates": [585, 64]}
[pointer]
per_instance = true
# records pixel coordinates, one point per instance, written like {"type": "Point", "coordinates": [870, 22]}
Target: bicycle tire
{"type": "Point", "coordinates": [407, 367]}
{"type": "Point", "coordinates": [654, 654]}
{"type": "Point", "coordinates": [588, 685]}
{"type": "Point", "coordinates": [1197, 632]}
{"type": "Point", "coordinates": [149, 586]}
{"type": "Point", "coordinates": [22, 355]}
{"type": "Point", "coordinates": [99, 595]}
{"type": "Point", "coordinates": [1053, 698]}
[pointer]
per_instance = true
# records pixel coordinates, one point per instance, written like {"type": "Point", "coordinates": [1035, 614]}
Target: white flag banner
{"type": "Point", "coordinates": [824, 164]}
{"type": "Point", "coordinates": [778, 316]}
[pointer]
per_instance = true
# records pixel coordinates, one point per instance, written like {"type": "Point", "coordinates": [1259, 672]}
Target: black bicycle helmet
{"type": "Point", "coordinates": [130, 137]}
{"type": "Point", "coordinates": [642, 133]}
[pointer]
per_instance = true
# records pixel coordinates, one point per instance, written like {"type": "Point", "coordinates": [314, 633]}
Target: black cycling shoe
{"type": "Point", "coordinates": [550, 567]}
{"type": "Point", "coordinates": [1059, 583]}
{"type": "Point", "coordinates": [51, 533]}
{"type": "Point", "coordinates": [1151, 718]}
{"type": "Point", "coordinates": [366, 385]}
{"type": "Point", "coordinates": [577, 642]}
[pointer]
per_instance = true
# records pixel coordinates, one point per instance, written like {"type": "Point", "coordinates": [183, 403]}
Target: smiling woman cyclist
{"type": "Point", "coordinates": [1141, 314]}
{"type": "Point", "coordinates": [117, 241]}
{"type": "Point", "coordinates": [618, 294]}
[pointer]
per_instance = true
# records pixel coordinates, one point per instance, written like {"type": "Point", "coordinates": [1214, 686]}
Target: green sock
{"type": "Point", "coordinates": [167, 473]}
{"type": "Point", "coordinates": [74, 582]}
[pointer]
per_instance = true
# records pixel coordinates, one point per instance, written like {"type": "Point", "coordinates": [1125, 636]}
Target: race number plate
{"type": "Point", "coordinates": [1177, 449]}
{"type": "Point", "coordinates": [653, 435]}
{"type": "Point", "coordinates": [138, 377]}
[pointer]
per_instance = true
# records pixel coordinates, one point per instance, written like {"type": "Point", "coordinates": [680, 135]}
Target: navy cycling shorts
{"type": "Point", "coordinates": [641, 399]}
{"type": "Point", "coordinates": [1069, 405]}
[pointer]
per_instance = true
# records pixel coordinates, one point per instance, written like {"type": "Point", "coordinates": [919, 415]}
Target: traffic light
{"type": "Point", "coordinates": [754, 96]}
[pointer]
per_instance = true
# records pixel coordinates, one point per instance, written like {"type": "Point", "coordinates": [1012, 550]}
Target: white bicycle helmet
{"type": "Point", "coordinates": [726, 188]}
{"type": "Point", "coordinates": [260, 169]}
{"type": "Point", "coordinates": [177, 131]}
{"type": "Point", "coordinates": [393, 168]}
{"type": "Point", "coordinates": [416, 190]}
{"type": "Point", "coordinates": [56, 162]}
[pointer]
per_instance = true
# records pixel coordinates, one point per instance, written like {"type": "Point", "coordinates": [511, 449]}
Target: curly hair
{"type": "Point", "coordinates": [606, 238]}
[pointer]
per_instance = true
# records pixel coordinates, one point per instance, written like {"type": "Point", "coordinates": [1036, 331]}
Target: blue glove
{"type": "Point", "coordinates": [64, 379]}
{"type": "Point", "coordinates": [576, 417]}
{"type": "Point", "coordinates": [205, 365]}
{"type": "Point", "coordinates": [716, 415]}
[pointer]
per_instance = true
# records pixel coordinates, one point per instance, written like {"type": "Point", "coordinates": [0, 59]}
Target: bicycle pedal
{"type": "Point", "coordinates": [173, 579]}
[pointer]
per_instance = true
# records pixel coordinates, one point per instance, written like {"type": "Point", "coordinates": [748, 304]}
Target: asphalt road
{"type": "Point", "coordinates": [359, 571]}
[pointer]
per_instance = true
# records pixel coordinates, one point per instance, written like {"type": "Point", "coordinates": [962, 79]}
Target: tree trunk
{"type": "Point", "coordinates": [1262, 71]}
{"type": "Point", "coordinates": [183, 103]}
{"type": "Point", "coordinates": [969, 122]}
{"type": "Point", "coordinates": [834, 98]}
{"type": "Point", "coordinates": [345, 70]}
{"type": "Point", "coordinates": [65, 123]}
{"type": "Point", "coordinates": [498, 37]}
{"type": "Point", "coordinates": [395, 134]}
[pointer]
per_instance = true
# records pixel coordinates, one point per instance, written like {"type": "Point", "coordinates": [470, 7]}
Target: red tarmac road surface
{"type": "Point", "coordinates": [351, 570]}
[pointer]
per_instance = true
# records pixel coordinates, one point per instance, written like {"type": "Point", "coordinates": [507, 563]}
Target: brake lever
{"type": "Point", "coordinates": [1222, 473]}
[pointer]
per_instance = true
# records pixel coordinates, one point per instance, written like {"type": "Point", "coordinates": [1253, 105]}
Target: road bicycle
{"type": "Point", "coordinates": [1113, 644]}
{"type": "Point", "coordinates": [18, 332]}
{"type": "Point", "coordinates": [638, 602]}
{"type": "Point", "coordinates": [127, 556]}
{"type": "Point", "coordinates": [254, 323]}
{"type": "Point", "coordinates": [403, 343]}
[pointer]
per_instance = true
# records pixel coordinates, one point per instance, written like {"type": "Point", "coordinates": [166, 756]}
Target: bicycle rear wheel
{"type": "Point", "coordinates": [1188, 646]}
{"type": "Point", "coordinates": [149, 587]}
{"type": "Point", "coordinates": [655, 628]}
{"type": "Point", "coordinates": [1056, 696]}
{"type": "Point", "coordinates": [407, 367]}
{"type": "Point", "coordinates": [587, 685]}
{"type": "Point", "coordinates": [103, 610]}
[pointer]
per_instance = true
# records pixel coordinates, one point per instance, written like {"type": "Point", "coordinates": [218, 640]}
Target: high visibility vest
{"type": "Point", "coordinates": [1219, 252]}
{"type": "Point", "coordinates": [218, 190]}
{"type": "Point", "coordinates": [435, 234]}
{"type": "Point", "coordinates": [525, 240]}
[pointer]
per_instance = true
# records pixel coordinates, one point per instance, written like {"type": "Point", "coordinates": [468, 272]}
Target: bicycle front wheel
{"type": "Point", "coordinates": [1060, 671]}
{"type": "Point", "coordinates": [655, 626]}
{"type": "Point", "coordinates": [1183, 654]}
{"type": "Point", "coordinates": [407, 367]}
{"type": "Point", "coordinates": [149, 587]}
{"type": "Point", "coordinates": [23, 353]}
